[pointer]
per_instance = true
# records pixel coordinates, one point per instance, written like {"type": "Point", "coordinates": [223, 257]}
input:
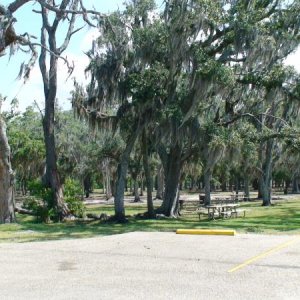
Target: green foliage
{"type": "Point", "coordinates": [27, 144]}
{"type": "Point", "coordinates": [75, 206]}
{"type": "Point", "coordinates": [72, 188]}
{"type": "Point", "coordinates": [146, 37]}
{"type": "Point", "coordinates": [212, 69]}
{"type": "Point", "coordinates": [73, 197]}
{"type": "Point", "coordinates": [31, 203]}
{"type": "Point", "coordinates": [41, 202]}
{"type": "Point", "coordinates": [38, 190]}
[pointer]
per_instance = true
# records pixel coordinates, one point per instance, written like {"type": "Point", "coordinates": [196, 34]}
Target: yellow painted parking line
{"type": "Point", "coordinates": [206, 231]}
{"type": "Point", "coordinates": [264, 254]}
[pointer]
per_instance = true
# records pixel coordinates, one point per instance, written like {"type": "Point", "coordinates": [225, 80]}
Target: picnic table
{"type": "Point", "coordinates": [220, 207]}
{"type": "Point", "coordinates": [221, 210]}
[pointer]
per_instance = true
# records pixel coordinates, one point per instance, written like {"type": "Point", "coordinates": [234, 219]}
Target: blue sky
{"type": "Point", "coordinates": [27, 21]}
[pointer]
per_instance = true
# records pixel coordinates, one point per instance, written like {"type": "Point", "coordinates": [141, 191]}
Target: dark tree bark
{"type": "Point", "coordinates": [160, 182]}
{"type": "Point", "coordinates": [286, 186]}
{"type": "Point", "coordinates": [136, 191]}
{"type": "Point", "coordinates": [207, 180]}
{"type": "Point", "coordinates": [107, 185]}
{"type": "Point", "coordinates": [122, 172]}
{"type": "Point", "coordinates": [172, 169]}
{"type": "Point", "coordinates": [224, 185]}
{"type": "Point", "coordinates": [296, 185]}
{"type": "Point", "coordinates": [7, 214]}
{"type": "Point", "coordinates": [246, 187]}
{"type": "Point", "coordinates": [87, 185]}
{"type": "Point", "coordinates": [130, 186]}
{"type": "Point", "coordinates": [135, 171]}
{"type": "Point", "coordinates": [266, 176]}
{"type": "Point", "coordinates": [142, 185]}
{"type": "Point", "coordinates": [237, 184]}
{"type": "Point", "coordinates": [148, 176]}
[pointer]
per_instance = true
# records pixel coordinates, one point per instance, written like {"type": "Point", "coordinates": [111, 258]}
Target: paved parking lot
{"type": "Point", "coordinates": [153, 266]}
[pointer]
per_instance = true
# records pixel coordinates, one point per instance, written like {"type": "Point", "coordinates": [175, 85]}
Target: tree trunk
{"type": "Point", "coordinates": [51, 177]}
{"type": "Point", "coordinates": [160, 182]}
{"type": "Point", "coordinates": [142, 186]}
{"type": "Point", "coordinates": [108, 189]}
{"type": "Point", "coordinates": [237, 184]}
{"type": "Point", "coordinates": [246, 187]}
{"type": "Point", "coordinates": [170, 205]}
{"type": "Point", "coordinates": [104, 185]}
{"type": "Point", "coordinates": [259, 191]}
{"type": "Point", "coordinates": [7, 212]}
{"type": "Point", "coordinates": [113, 185]}
{"type": "Point", "coordinates": [120, 188]}
{"type": "Point", "coordinates": [266, 177]}
{"type": "Point", "coordinates": [148, 176]}
{"type": "Point", "coordinates": [296, 185]}
{"type": "Point", "coordinates": [207, 179]}
{"type": "Point", "coordinates": [87, 185]}
{"type": "Point", "coordinates": [286, 186]}
{"type": "Point", "coordinates": [122, 172]}
{"type": "Point", "coordinates": [266, 191]}
{"type": "Point", "coordinates": [136, 191]}
{"type": "Point", "coordinates": [224, 186]}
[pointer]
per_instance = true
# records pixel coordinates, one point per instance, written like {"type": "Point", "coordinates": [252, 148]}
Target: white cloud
{"type": "Point", "coordinates": [86, 43]}
{"type": "Point", "coordinates": [294, 60]}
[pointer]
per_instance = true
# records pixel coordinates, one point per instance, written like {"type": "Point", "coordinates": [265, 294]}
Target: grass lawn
{"type": "Point", "coordinates": [282, 218]}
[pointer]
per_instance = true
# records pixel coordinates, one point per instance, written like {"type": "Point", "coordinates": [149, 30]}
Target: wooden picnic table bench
{"type": "Point", "coordinates": [224, 211]}
{"type": "Point", "coordinates": [220, 208]}
{"type": "Point", "coordinates": [188, 206]}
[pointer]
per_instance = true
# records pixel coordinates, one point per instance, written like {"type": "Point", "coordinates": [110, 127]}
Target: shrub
{"type": "Point", "coordinates": [41, 202]}
{"type": "Point", "coordinates": [38, 207]}
{"type": "Point", "coordinates": [38, 190]}
{"type": "Point", "coordinates": [73, 197]}
{"type": "Point", "coordinates": [31, 203]}
{"type": "Point", "coordinates": [75, 206]}
{"type": "Point", "coordinates": [72, 188]}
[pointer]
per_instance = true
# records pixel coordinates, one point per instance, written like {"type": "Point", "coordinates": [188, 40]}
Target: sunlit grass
{"type": "Point", "coordinates": [283, 217]}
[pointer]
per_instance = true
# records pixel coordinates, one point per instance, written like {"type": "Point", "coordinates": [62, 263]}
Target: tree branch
{"type": "Point", "coordinates": [65, 44]}
{"type": "Point", "coordinates": [15, 5]}
{"type": "Point", "coordinates": [67, 11]}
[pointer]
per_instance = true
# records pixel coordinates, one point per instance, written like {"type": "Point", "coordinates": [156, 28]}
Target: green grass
{"type": "Point", "coordinates": [282, 218]}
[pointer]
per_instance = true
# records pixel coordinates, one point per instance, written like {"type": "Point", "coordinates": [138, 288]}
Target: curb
{"type": "Point", "coordinates": [206, 231]}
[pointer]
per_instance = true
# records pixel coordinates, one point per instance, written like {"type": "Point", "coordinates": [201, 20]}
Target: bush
{"type": "Point", "coordinates": [41, 202]}
{"type": "Point", "coordinates": [75, 206]}
{"type": "Point", "coordinates": [31, 204]}
{"type": "Point", "coordinates": [39, 208]}
{"type": "Point", "coordinates": [73, 197]}
{"type": "Point", "coordinates": [38, 190]}
{"type": "Point", "coordinates": [72, 188]}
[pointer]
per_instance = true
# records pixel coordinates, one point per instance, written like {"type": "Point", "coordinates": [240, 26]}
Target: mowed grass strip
{"type": "Point", "coordinates": [283, 217]}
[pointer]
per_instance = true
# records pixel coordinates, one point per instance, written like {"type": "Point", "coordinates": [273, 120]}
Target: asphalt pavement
{"type": "Point", "coordinates": [143, 266]}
